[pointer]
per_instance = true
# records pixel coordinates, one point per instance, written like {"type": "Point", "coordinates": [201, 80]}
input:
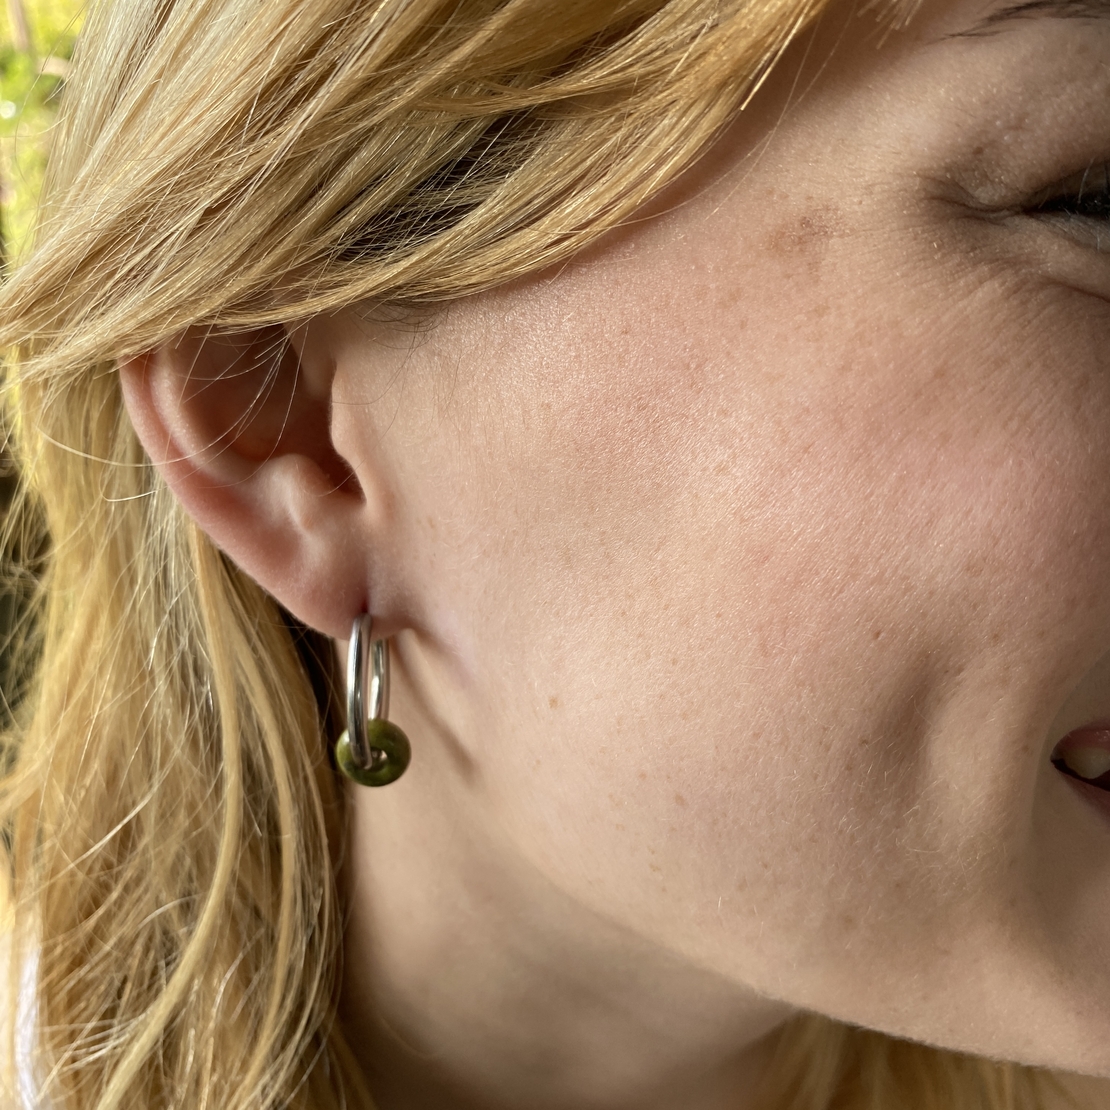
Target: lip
{"type": "Point", "coordinates": [1096, 734]}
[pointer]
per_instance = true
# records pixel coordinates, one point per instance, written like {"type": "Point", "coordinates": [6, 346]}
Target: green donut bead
{"type": "Point", "coordinates": [391, 751]}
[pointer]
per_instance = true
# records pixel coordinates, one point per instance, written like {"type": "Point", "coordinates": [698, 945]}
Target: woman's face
{"type": "Point", "coordinates": [756, 562]}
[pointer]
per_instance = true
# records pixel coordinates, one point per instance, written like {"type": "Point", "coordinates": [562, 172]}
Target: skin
{"type": "Point", "coordinates": [743, 573]}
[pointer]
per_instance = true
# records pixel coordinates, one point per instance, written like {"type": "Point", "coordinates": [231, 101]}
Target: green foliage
{"type": "Point", "coordinates": [31, 84]}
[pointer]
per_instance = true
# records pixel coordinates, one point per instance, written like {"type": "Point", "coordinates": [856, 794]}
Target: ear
{"type": "Point", "coordinates": [239, 426]}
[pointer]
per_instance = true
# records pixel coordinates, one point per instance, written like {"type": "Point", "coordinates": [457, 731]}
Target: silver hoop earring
{"type": "Point", "coordinates": [372, 750]}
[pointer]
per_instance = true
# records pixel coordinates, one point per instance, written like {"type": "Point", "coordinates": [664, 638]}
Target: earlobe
{"type": "Point", "coordinates": [239, 427]}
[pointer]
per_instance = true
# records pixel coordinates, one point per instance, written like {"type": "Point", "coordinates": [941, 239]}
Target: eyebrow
{"type": "Point", "coordinates": [1033, 9]}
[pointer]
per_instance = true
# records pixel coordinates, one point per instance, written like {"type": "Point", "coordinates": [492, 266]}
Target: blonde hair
{"type": "Point", "coordinates": [172, 817]}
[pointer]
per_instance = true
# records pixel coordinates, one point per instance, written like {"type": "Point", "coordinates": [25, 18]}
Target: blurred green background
{"type": "Point", "coordinates": [36, 43]}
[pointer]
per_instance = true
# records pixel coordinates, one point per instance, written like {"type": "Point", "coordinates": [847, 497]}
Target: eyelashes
{"type": "Point", "coordinates": [1077, 207]}
{"type": "Point", "coordinates": [1084, 196]}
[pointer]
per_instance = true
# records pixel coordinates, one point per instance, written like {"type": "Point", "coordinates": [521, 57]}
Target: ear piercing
{"type": "Point", "coordinates": [372, 750]}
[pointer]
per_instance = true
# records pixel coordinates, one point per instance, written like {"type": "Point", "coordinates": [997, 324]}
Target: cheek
{"type": "Point", "coordinates": [803, 574]}
{"type": "Point", "coordinates": [922, 486]}
{"type": "Point", "coordinates": [764, 621]}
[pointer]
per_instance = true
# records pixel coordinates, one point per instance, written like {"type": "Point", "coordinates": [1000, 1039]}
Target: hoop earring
{"type": "Point", "coordinates": [372, 750]}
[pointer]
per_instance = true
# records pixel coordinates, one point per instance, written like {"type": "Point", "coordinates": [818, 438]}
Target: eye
{"type": "Point", "coordinates": [1084, 195]}
{"type": "Point", "coordinates": [1078, 207]}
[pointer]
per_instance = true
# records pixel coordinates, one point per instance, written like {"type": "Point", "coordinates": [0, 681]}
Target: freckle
{"type": "Point", "coordinates": [811, 231]}
{"type": "Point", "coordinates": [877, 634]}
{"type": "Point", "coordinates": [655, 867]}
{"type": "Point", "coordinates": [642, 776]}
{"type": "Point", "coordinates": [679, 800]}
{"type": "Point", "coordinates": [553, 702]}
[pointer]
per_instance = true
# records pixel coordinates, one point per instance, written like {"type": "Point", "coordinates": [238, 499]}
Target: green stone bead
{"type": "Point", "coordinates": [389, 747]}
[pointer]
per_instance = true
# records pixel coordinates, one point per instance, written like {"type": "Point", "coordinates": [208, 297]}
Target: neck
{"type": "Point", "coordinates": [472, 982]}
